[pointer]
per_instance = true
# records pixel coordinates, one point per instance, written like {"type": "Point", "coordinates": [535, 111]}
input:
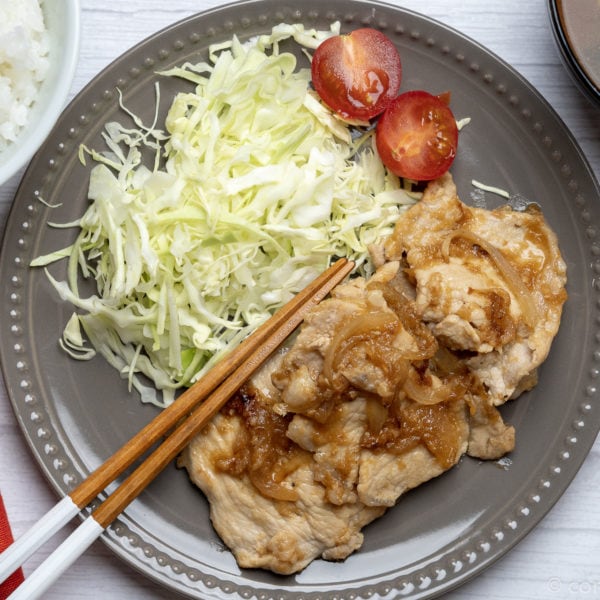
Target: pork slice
{"type": "Point", "coordinates": [385, 476]}
{"type": "Point", "coordinates": [489, 436]}
{"type": "Point", "coordinates": [335, 448]}
{"type": "Point", "coordinates": [264, 533]}
{"type": "Point", "coordinates": [506, 317]}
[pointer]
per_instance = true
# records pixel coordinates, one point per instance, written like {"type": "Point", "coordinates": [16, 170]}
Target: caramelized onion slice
{"type": "Point", "coordinates": [508, 272]}
{"type": "Point", "coordinates": [361, 326]}
{"type": "Point", "coordinates": [268, 487]}
{"type": "Point", "coordinates": [429, 390]}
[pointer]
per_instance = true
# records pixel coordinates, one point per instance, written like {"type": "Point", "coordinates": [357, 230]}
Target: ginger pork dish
{"type": "Point", "coordinates": [388, 383]}
{"type": "Point", "coordinates": [262, 176]}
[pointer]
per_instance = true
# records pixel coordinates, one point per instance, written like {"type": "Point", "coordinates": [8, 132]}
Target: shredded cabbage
{"type": "Point", "coordinates": [258, 189]}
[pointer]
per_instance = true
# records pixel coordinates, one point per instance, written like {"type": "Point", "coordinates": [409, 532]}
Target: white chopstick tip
{"type": "Point", "coordinates": [22, 548]}
{"type": "Point", "coordinates": [59, 561]}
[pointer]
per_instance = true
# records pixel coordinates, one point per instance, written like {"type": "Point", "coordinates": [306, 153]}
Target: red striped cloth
{"type": "Point", "coordinates": [6, 539]}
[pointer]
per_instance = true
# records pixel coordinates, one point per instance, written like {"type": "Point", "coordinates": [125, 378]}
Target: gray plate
{"type": "Point", "coordinates": [74, 415]}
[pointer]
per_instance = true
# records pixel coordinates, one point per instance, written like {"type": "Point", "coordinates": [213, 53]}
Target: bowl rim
{"type": "Point", "coordinates": [31, 138]}
{"type": "Point", "coordinates": [575, 68]}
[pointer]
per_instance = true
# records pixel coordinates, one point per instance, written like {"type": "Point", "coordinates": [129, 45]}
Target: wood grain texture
{"type": "Point", "coordinates": [560, 559]}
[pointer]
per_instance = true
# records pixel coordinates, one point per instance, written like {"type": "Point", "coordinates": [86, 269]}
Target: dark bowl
{"type": "Point", "coordinates": [576, 27]}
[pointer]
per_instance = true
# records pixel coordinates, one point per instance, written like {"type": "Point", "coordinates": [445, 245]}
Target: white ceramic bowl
{"type": "Point", "coordinates": [63, 24]}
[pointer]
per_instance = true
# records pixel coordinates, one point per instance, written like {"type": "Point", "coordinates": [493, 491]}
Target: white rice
{"type": "Point", "coordinates": [23, 63]}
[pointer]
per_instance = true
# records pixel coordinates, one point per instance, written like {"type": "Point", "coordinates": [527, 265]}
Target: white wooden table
{"type": "Point", "coordinates": [561, 558]}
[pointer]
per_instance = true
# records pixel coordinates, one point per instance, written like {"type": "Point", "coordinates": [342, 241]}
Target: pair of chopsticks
{"type": "Point", "coordinates": [196, 406]}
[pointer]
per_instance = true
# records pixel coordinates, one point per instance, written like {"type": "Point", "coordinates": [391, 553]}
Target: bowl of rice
{"type": "Point", "coordinates": [39, 48]}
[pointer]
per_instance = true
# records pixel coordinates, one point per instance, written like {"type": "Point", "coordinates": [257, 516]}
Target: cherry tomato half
{"type": "Point", "coordinates": [357, 74]}
{"type": "Point", "coordinates": [417, 136]}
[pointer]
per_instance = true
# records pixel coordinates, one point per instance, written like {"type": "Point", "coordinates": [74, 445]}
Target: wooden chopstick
{"type": "Point", "coordinates": [255, 356]}
{"type": "Point", "coordinates": [179, 409]}
{"type": "Point", "coordinates": [222, 381]}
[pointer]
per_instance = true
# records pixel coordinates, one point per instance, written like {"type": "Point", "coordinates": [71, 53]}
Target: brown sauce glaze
{"type": "Point", "coordinates": [410, 424]}
{"type": "Point", "coordinates": [262, 451]}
